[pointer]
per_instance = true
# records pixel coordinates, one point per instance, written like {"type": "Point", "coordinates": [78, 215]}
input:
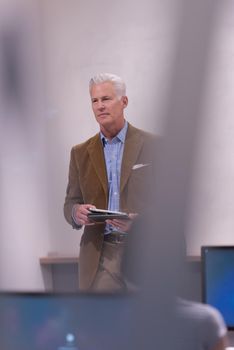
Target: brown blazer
{"type": "Point", "coordinates": [88, 184]}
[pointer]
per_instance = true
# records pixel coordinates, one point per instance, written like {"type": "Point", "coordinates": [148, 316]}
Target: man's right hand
{"type": "Point", "coordinates": [80, 214]}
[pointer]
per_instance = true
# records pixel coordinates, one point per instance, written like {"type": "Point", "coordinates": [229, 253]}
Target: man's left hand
{"type": "Point", "coordinates": [123, 225]}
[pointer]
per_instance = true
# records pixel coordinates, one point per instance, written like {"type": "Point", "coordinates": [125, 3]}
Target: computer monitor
{"type": "Point", "coordinates": [41, 321]}
{"type": "Point", "coordinates": [218, 280]}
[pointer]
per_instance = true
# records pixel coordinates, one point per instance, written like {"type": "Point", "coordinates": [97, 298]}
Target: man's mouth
{"type": "Point", "coordinates": [103, 114]}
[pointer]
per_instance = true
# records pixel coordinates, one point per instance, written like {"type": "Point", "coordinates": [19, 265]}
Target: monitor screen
{"type": "Point", "coordinates": [41, 321]}
{"type": "Point", "coordinates": [218, 280]}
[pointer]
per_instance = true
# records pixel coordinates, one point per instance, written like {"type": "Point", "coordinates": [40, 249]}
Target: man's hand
{"type": "Point", "coordinates": [80, 214]}
{"type": "Point", "coordinates": [123, 225]}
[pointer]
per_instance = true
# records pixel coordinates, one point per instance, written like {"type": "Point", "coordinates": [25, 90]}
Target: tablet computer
{"type": "Point", "coordinates": [101, 215]}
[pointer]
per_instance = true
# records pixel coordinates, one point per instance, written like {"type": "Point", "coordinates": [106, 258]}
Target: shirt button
{"type": "Point", "coordinates": [115, 193]}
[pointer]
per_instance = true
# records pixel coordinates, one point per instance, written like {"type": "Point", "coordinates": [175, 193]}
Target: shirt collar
{"type": "Point", "coordinates": [119, 137]}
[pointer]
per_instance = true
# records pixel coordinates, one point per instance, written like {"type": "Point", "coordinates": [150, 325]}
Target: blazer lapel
{"type": "Point", "coordinates": [95, 151]}
{"type": "Point", "coordinates": [132, 147]}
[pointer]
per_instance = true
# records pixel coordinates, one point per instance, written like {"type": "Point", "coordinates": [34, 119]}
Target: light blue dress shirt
{"type": "Point", "coordinates": [113, 152]}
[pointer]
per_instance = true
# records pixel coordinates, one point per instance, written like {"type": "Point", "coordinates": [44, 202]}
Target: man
{"type": "Point", "coordinates": [112, 170]}
{"type": "Point", "coordinates": [200, 326]}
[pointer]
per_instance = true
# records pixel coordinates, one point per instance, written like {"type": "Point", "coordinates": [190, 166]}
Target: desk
{"type": "Point", "coordinates": [57, 259]}
{"type": "Point", "coordinates": [60, 272]}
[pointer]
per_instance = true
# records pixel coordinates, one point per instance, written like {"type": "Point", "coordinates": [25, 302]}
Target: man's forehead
{"type": "Point", "coordinates": [102, 89]}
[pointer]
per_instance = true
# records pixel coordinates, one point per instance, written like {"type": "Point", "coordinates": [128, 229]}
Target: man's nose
{"type": "Point", "coordinates": [100, 105]}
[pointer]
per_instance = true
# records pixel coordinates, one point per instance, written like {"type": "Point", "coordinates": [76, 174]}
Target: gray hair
{"type": "Point", "coordinates": [118, 82]}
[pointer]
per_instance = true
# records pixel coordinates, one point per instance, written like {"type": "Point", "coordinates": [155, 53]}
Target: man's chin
{"type": "Point", "coordinates": [105, 122]}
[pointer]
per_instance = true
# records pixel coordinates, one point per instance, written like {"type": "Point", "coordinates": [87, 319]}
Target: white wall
{"type": "Point", "coordinates": [136, 41]}
{"type": "Point", "coordinates": [80, 40]}
{"type": "Point", "coordinates": [211, 210]}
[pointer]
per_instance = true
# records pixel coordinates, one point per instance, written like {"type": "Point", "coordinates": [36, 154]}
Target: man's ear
{"type": "Point", "coordinates": [125, 101]}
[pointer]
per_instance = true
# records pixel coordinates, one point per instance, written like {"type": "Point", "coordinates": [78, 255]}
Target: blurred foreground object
{"type": "Point", "coordinates": [159, 241]}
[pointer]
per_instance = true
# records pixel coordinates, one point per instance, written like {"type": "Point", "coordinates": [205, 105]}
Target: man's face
{"type": "Point", "coordinates": [107, 106]}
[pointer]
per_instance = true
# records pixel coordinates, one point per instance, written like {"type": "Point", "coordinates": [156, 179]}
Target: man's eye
{"type": "Point", "coordinates": [106, 98]}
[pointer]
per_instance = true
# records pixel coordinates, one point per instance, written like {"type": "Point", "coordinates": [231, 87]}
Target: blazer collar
{"type": "Point", "coordinates": [133, 144]}
{"type": "Point", "coordinates": [95, 150]}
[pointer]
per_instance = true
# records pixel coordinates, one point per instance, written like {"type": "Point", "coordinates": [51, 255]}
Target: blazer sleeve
{"type": "Point", "coordinates": [73, 192]}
